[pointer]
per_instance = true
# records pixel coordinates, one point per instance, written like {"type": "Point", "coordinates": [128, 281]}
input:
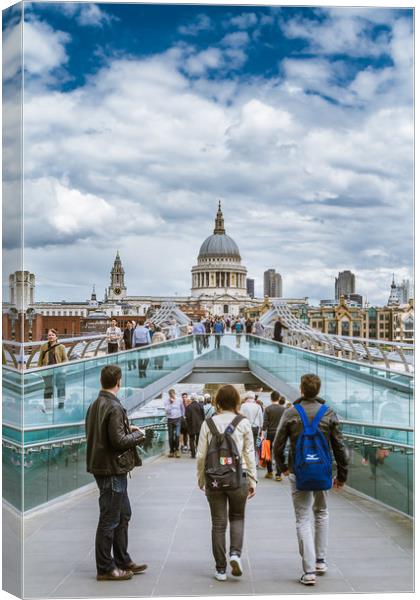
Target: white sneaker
{"type": "Point", "coordinates": [220, 575]}
{"type": "Point", "coordinates": [236, 564]}
{"type": "Point", "coordinates": [321, 567]}
{"type": "Point", "coordinates": [308, 579]}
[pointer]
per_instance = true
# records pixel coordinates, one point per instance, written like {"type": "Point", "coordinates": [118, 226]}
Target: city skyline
{"type": "Point", "coordinates": [299, 120]}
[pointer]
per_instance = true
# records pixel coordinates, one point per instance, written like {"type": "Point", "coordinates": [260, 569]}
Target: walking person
{"type": "Point", "coordinates": [110, 455]}
{"type": "Point", "coordinates": [209, 409]}
{"type": "Point", "coordinates": [272, 416]}
{"type": "Point", "coordinates": [158, 338]}
{"type": "Point", "coordinates": [173, 330]}
{"type": "Point", "coordinates": [194, 415]}
{"type": "Point", "coordinates": [228, 429]}
{"type": "Point", "coordinates": [310, 498]}
{"type": "Point", "coordinates": [199, 333]}
{"type": "Point", "coordinates": [174, 409]}
{"type": "Point", "coordinates": [207, 330]}
{"type": "Point", "coordinates": [113, 337]}
{"type": "Point", "coordinates": [252, 411]}
{"type": "Point", "coordinates": [186, 400]}
{"type": "Point", "coordinates": [238, 332]}
{"type": "Point", "coordinates": [141, 338]}
{"type": "Point", "coordinates": [258, 328]}
{"type": "Point", "coordinates": [218, 329]}
{"type": "Point", "coordinates": [128, 334]}
{"type": "Point", "coordinates": [53, 353]}
{"type": "Point", "coordinates": [278, 333]}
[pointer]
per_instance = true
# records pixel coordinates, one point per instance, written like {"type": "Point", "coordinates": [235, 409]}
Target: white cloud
{"type": "Point", "coordinates": [339, 31]}
{"type": "Point", "coordinates": [236, 39]}
{"type": "Point", "coordinates": [138, 157]}
{"type": "Point", "coordinates": [244, 20]}
{"type": "Point", "coordinates": [43, 48]}
{"type": "Point", "coordinates": [86, 14]}
{"type": "Point", "coordinates": [199, 24]}
{"type": "Point", "coordinates": [12, 50]}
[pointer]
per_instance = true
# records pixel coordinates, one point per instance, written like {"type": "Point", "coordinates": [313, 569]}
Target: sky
{"type": "Point", "coordinates": [138, 119]}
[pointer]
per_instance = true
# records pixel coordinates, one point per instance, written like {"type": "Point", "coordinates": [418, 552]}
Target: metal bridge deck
{"type": "Point", "coordinates": [371, 547]}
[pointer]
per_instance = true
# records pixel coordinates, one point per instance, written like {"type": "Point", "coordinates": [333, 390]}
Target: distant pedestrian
{"type": "Point", "coordinates": [141, 338]}
{"type": "Point", "coordinates": [207, 329]}
{"type": "Point", "coordinates": [272, 417]}
{"type": "Point", "coordinates": [110, 455]}
{"type": "Point", "coordinates": [209, 409]}
{"type": "Point", "coordinates": [310, 501]}
{"type": "Point", "coordinates": [227, 505]}
{"type": "Point", "coordinates": [238, 332]}
{"type": "Point", "coordinates": [194, 415]}
{"type": "Point", "coordinates": [184, 427]}
{"type": "Point", "coordinates": [218, 329]}
{"type": "Point", "coordinates": [199, 333]}
{"type": "Point", "coordinates": [173, 330]}
{"type": "Point", "coordinates": [53, 353]}
{"type": "Point", "coordinates": [128, 334]}
{"type": "Point", "coordinates": [258, 328]}
{"type": "Point", "coordinates": [252, 411]}
{"type": "Point", "coordinates": [113, 337]}
{"type": "Point", "coordinates": [158, 338]}
{"type": "Point", "coordinates": [174, 409]}
{"type": "Point", "coordinates": [278, 333]}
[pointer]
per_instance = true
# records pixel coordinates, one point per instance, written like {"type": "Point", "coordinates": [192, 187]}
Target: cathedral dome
{"type": "Point", "coordinates": [219, 244]}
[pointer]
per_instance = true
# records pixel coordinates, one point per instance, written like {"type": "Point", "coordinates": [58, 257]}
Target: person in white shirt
{"type": "Point", "coordinates": [173, 330]}
{"type": "Point", "coordinates": [252, 411]}
{"type": "Point", "coordinates": [228, 505]}
{"type": "Point", "coordinates": [113, 337]}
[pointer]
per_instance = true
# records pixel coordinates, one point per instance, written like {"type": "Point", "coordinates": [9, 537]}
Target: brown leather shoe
{"type": "Point", "coordinates": [135, 569]}
{"type": "Point", "coordinates": [115, 575]}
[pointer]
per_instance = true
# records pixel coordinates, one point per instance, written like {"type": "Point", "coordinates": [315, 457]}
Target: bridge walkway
{"type": "Point", "coordinates": [370, 546]}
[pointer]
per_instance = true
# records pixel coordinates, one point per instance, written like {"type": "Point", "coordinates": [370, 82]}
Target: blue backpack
{"type": "Point", "coordinates": [313, 462]}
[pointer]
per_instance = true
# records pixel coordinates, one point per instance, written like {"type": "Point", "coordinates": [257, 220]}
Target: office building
{"type": "Point", "coordinates": [345, 284]}
{"type": "Point", "coordinates": [273, 286]}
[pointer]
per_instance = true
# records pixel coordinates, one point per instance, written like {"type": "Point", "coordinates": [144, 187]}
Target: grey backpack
{"type": "Point", "coordinates": [223, 469]}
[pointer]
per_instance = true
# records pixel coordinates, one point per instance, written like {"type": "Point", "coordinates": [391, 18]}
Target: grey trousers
{"type": "Point", "coordinates": [219, 502]}
{"type": "Point", "coordinates": [306, 504]}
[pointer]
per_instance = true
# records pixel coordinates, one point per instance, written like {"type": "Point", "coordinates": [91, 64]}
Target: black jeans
{"type": "Point", "coordinates": [112, 347]}
{"type": "Point", "coordinates": [219, 503]}
{"type": "Point", "coordinates": [114, 516]}
{"type": "Point", "coordinates": [194, 443]}
{"type": "Point", "coordinates": [174, 430]}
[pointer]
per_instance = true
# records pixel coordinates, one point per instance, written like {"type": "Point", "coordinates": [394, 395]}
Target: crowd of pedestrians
{"type": "Point", "coordinates": [223, 435]}
{"type": "Point", "coordinates": [135, 334]}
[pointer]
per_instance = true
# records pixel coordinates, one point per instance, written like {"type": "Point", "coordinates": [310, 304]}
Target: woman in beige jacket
{"type": "Point", "coordinates": [228, 505]}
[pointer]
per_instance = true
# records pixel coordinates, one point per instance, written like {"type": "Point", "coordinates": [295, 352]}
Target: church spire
{"type": "Point", "coordinates": [219, 222]}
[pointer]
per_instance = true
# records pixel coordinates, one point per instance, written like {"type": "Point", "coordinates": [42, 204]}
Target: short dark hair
{"type": "Point", "coordinates": [282, 400]}
{"type": "Point", "coordinates": [228, 398]}
{"type": "Point", "coordinates": [275, 396]}
{"type": "Point", "coordinates": [310, 384]}
{"type": "Point", "coordinates": [110, 376]}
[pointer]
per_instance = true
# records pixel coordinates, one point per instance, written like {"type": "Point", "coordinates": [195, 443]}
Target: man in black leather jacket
{"type": "Point", "coordinates": [110, 455]}
{"type": "Point", "coordinates": [313, 552]}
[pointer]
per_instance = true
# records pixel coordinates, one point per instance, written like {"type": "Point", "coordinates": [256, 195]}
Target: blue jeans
{"type": "Point", "coordinates": [174, 431]}
{"type": "Point", "coordinates": [114, 516]}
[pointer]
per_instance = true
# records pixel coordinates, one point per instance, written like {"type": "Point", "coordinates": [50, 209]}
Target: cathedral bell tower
{"type": "Point", "coordinates": [117, 289]}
